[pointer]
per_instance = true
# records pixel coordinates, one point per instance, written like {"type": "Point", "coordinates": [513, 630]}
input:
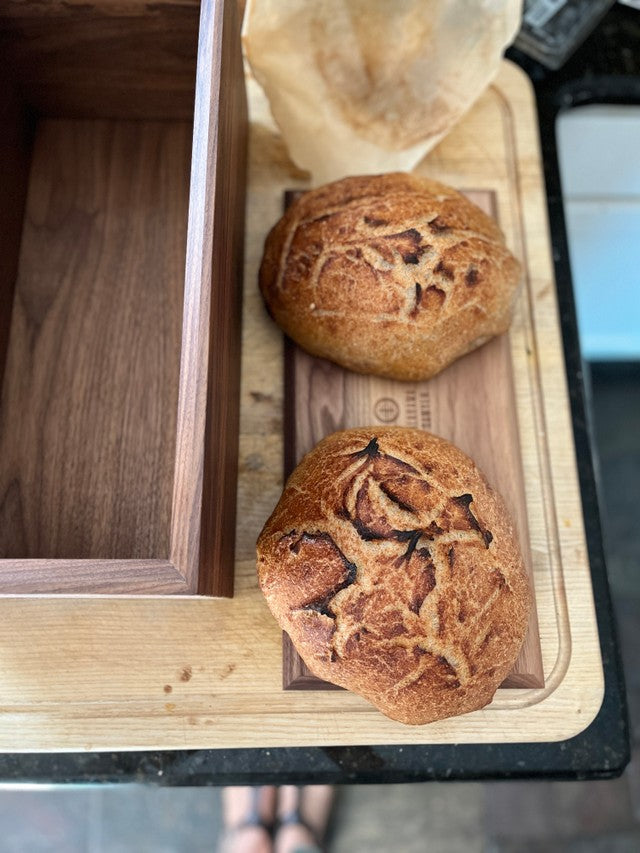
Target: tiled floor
{"type": "Point", "coordinates": [502, 817]}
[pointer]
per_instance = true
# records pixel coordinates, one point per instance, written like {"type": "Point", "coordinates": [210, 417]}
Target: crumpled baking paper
{"type": "Point", "coordinates": [367, 86]}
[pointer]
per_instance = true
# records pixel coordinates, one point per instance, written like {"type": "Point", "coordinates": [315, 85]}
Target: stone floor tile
{"type": "Point", "coordinates": [440, 818]}
{"type": "Point", "coordinates": [633, 701]}
{"type": "Point", "coordinates": [618, 842]}
{"type": "Point", "coordinates": [632, 774]}
{"type": "Point", "coordinates": [627, 612]}
{"type": "Point", "coordinates": [532, 811]}
{"type": "Point", "coordinates": [46, 820]}
{"type": "Point", "coordinates": [144, 819]}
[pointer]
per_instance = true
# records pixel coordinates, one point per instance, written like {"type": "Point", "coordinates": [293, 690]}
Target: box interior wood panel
{"type": "Point", "coordinates": [129, 59]}
{"type": "Point", "coordinates": [101, 215]}
{"type": "Point", "coordinates": [90, 390]}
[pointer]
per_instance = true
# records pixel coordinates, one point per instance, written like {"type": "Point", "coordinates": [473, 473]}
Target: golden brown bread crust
{"type": "Point", "coordinates": [394, 275]}
{"type": "Point", "coordinates": [396, 572]}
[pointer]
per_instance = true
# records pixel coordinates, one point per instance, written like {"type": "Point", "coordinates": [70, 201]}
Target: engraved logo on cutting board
{"type": "Point", "coordinates": [410, 408]}
{"type": "Point", "coordinates": [386, 410]}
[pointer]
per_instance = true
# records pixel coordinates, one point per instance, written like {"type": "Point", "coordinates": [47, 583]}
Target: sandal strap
{"type": "Point", "coordinates": [295, 818]}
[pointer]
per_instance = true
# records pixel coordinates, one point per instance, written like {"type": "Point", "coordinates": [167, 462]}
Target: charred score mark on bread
{"type": "Point", "coordinates": [416, 307]}
{"type": "Point", "coordinates": [322, 605]}
{"type": "Point", "coordinates": [411, 537]}
{"type": "Point", "coordinates": [367, 534]}
{"type": "Point", "coordinates": [425, 297]}
{"type": "Point", "coordinates": [387, 490]}
{"type": "Point", "coordinates": [409, 245]}
{"type": "Point", "coordinates": [438, 226]}
{"type": "Point", "coordinates": [464, 501]}
{"type": "Point", "coordinates": [444, 270]}
{"type": "Point", "coordinates": [472, 276]}
{"type": "Point", "coordinates": [372, 449]}
{"type": "Point", "coordinates": [322, 218]}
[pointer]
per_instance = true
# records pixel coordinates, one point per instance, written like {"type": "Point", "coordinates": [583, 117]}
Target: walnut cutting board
{"type": "Point", "coordinates": [83, 673]}
{"type": "Point", "coordinates": [471, 403]}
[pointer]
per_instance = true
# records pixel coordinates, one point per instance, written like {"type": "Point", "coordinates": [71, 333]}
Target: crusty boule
{"type": "Point", "coordinates": [394, 275]}
{"type": "Point", "coordinates": [394, 568]}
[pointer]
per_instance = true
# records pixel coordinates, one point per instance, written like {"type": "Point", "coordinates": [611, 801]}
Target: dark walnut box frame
{"type": "Point", "coordinates": [122, 169]}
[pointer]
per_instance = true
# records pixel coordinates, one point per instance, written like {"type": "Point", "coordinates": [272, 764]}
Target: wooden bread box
{"type": "Point", "coordinates": [121, 238]}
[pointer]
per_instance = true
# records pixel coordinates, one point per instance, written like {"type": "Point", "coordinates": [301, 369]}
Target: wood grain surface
{"type": "Point", "coordinates": [16, 132]}
{"type": "Point", "coordinates": [105, 674]}
{"type": "Point", "coordinates": [129, 59]}
{"type": "Point", "coordinates": [204, 489]}
{"type": "Point", "coordinates": [87, 423]}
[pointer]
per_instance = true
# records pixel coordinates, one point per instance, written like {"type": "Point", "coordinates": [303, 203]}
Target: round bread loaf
{"type": "Point", "coordinates": [396, 572]}
{"type": "Point", "coordinates": [394, 275]}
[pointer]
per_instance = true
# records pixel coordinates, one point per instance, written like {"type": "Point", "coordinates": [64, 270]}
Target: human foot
{"type": "Point", "coordinates": [248, 818]}
{"type": "Point", "coordinates": [303, 814]}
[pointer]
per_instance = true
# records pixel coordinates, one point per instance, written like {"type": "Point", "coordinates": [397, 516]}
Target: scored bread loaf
{"type": "Point", "coordinates": [394, 275]}
{"type": "Point", "coordinates": [394, 568]}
